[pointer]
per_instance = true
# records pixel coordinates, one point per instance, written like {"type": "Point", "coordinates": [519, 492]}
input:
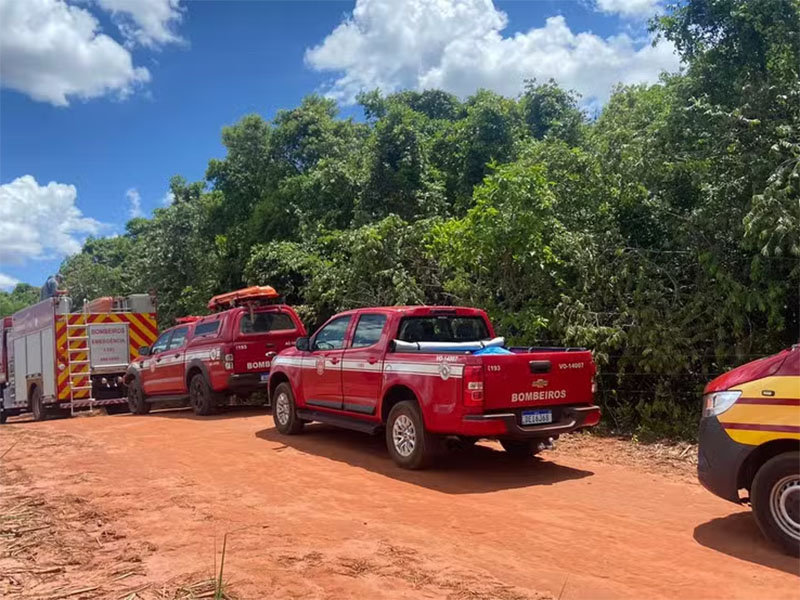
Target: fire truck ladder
{"type": "Point", "coordinates": [79, 367]}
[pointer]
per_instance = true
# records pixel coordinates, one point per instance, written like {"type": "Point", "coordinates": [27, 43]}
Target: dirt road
{"type": "Point", "coordinates": [328, 515]}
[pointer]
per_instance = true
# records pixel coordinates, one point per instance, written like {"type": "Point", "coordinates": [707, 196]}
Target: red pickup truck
{"type": "Point", "coordinates": [423, 373]}
{"type": "Point", "coordinates": [206, 360]}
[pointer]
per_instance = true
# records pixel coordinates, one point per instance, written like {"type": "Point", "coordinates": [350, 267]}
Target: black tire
{"type": "Point", "coordinates": [775, 495]}
{"type": "Point", "coordinates": [410, 445]}
{"type": "Point", "coordinates": [284, 411]}
{"type": "Point", "coordinates": [3, 416]}
{"type": "Point", "coordinates": [201, 397]}
{"type": "Point", "coordinates": [520, 448]}
{"type": "Point", "coordinates": [37, 406]}
{"type": "Point", "coordinates": [137, 401]}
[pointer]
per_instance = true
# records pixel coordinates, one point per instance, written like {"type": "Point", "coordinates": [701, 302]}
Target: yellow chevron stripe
{"type": "Point", "coordinates": [143, 328]}
{"type": "Point", "coordinates": [136, 341]}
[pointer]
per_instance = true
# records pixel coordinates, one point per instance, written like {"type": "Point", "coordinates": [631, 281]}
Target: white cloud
{"type": "Point", "coordinates": [168, 199]}
{"type": "Point", "coordinates": [40, 222]}
{"type": "Point", "coordinates": [457, 45]}
{"type": "Point", "coordinates": [52, 51]}
{"type": "Point", "coordinates": [7, 282]}
{"type": "Point", "coordinates": [149, 23]}
{"type": "Point", "coordinates": [135, 200]}
{"type": "Point", "coordinates": [636, 9]}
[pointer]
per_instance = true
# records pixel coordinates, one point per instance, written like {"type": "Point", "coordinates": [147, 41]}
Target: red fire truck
{"type": "Point", "coordinates": [56, 361]}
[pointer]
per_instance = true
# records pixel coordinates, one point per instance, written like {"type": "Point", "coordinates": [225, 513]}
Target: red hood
{"type": "Point", "coordinates": [757, 369]}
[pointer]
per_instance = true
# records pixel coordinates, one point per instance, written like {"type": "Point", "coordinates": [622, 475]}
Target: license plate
{"type": "Point", "coordinates": [264, 376]}
{"type": "Point", "coordinates": [537, 417]}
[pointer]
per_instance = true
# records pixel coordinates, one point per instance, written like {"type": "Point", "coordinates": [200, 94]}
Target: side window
{"type": "Point", "coordinates": [161, 342]}
{"type": "Point", "coordinates": [207, 328]}
{"type": "Point", "coordinates": [368, 331]}
{"type": "Point", "coordinates": [331, 337]}
{"type": "Point", "coordinates": [265, 321]}
{"type": "Point", "coordinates": [178, 338]}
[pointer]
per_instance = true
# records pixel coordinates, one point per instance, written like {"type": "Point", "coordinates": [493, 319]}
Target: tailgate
{"type": "Point", "coordinates": [261, 337]}
{"type": "Point", "coordinates": [531, 379]}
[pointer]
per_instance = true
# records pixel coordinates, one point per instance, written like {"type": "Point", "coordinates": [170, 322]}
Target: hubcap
{"type": "Point", "coordinates": [784, 504]}
{"type": "Point", "coordinates": [404, 435]}
{"type": "Point", "coordinates": [282, 409]}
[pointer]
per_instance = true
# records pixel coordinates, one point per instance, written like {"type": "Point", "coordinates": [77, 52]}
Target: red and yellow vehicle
{"type": "Point", "coordinates": [750, 440]}
{"type": "Point", "coordinates": [54, 359]}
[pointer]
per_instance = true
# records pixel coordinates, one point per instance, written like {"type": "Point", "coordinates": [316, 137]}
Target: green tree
{"type": "Point", "coordinates": [22, 296]}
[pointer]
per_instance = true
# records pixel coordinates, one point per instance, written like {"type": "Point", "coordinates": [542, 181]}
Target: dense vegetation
{"type": "Point", "coordinates": [664, 233]}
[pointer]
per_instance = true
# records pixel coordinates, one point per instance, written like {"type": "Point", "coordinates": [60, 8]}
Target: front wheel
{"type": "Point", "coordinates": [284, 411]}
{"type": "Point", "coordinates": [410, 445]}
{"type": "Point", "coordinates": [775, 496]}
{"type": "Point", "coordinates": [137, 401]}
{"type": "Point", "coordinates": [520, 448]}
{"type": "Point", "coordinates": [201, 397]}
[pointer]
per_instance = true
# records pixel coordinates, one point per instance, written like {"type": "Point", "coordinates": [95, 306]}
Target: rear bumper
{"type": "Point", "coordinates": [719, 460]}
{"type": "Point", "coordinates": [246, 383]}
{"type": "Point", "coordinates": [507, 424]}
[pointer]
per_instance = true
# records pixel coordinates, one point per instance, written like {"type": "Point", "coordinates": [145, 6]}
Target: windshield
{"type": "Point", "coordinates": [443, 329]}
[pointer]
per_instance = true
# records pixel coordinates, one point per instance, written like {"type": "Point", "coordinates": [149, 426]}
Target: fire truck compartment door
{"type": "Point", "coordinates": [48, 363]}
{"type": "Point", "coordinates": [20, 370]}
{"type": "Point", "coordinates": [34, 353]}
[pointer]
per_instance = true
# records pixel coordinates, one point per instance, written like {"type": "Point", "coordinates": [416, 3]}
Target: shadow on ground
{"type": "Point", "coordinates": [738, 535]}
{"type": "Point", "coordinates": [472, 470]}
{"type": "Point", "coordinates": [230, 412]}
{"type": "Point", "coordinates": [179, 412]}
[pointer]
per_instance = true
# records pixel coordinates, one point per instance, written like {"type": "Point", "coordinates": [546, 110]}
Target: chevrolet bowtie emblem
{"type": "Point", "coordinates": [539, 383]}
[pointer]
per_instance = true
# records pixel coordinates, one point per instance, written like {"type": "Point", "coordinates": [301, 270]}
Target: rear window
{"type": "Point", "coordinates": [208, 328]}
{"type": "Point", "coordinates": [265, 322]}
{"type": "Point", "coordinates": [443, 329]}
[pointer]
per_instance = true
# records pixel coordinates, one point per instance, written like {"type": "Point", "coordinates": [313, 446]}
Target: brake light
{"type": "Point", "coordinates": [473, 386]}
{"type": "Point", "coordinates": [593, 418]}
{"type": "Point", "coordinates": [228, 358]}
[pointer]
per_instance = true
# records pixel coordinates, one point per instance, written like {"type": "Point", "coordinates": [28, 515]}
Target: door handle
{"type": "Point", "coordinates": [158, 359]}
{"type": "Point", "coordinates": [372, 360]}
{"type": "Point", "coordinates": [335, 361]}
{"type": "Point", "coordinates": [178, 355]}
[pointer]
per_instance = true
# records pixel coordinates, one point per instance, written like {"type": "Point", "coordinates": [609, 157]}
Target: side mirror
{"type": "Point", "coordinates": [144, 351]}
{"type": "Point", "coordinates": [302, 344]}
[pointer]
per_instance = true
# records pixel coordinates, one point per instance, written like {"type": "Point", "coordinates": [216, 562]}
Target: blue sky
{"type": "Point", "coordinates": [132, 92]}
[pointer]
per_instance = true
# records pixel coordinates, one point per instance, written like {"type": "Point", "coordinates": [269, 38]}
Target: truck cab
{"type": "Point", "coordinates": [422, 373]}
{"type": "Point", "coordinates": [206, 360]}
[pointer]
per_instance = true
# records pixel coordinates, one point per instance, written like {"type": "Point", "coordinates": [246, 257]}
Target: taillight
{"type": "Point", "coordinates": [228, 358]}
{"type": "Point", "coordinates": [473, 386]}
{"type": "Point", "coordinates": [593, 418]}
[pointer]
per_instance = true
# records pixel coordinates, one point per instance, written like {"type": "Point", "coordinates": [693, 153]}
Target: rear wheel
{"type": "Point", "coordinates": [410, 445]}
{"type": "Point", "coordinates": [775, 496]}
{"type": "Point", "coordinates": [201, 398]}
{"type": "Point", "coordinates": [520, 448]}
{"type": "Point", "coordinates": [37, 405]}
{"type": "Point", "coordinates": [284, 411]}
{"type": "Point", "coordinates": [137, 401]}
